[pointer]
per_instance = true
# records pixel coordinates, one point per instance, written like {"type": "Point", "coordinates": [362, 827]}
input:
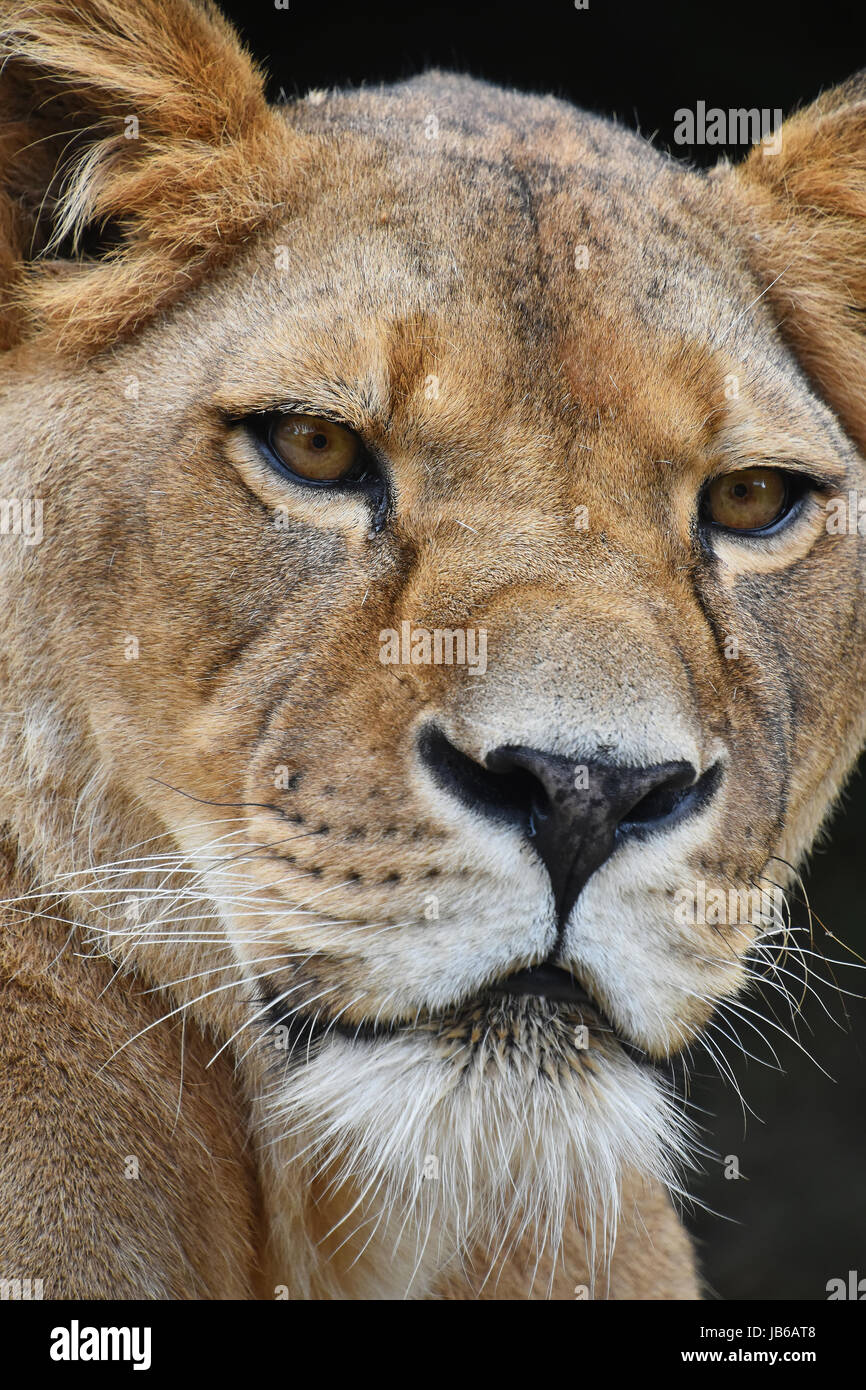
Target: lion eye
{"type": "Point", "coordinates": [749, 500]}
{"type": "Point", "coordinates": [319, 451]}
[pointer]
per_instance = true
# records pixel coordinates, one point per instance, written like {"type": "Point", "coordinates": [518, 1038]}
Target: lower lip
{"type": "Point", "coordinates": [546, 982]}
{"type": "Point", "coordinates": [543, 982]}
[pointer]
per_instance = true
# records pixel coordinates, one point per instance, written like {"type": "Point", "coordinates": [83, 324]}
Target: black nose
{"type": "Point", "coordinates": [574, 814]}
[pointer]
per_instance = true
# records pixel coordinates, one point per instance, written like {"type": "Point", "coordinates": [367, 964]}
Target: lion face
{"type": "Point", "coordinates": [493, 755]}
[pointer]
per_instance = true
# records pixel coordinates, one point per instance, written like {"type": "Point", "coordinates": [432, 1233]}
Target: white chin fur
{"type": "Point", "coordinates": [446, 1155]}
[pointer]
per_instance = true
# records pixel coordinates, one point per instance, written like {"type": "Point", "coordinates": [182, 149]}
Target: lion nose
{"type": "Point", "coordinates": [573, 813]}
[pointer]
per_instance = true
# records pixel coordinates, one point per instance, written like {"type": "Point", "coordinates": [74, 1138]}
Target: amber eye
{"type": "Point", "coordinates": [319, 451]}
{"type": "Point", "coordinates": [749, 500]}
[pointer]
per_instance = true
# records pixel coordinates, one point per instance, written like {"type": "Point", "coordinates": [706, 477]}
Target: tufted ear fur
{"type": "Point", "coordinates": [136, 151]}
{"type": "Point", "coordinates": [805, 212]}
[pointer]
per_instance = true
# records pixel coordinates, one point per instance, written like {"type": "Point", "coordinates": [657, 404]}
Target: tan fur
{"type": "Point", "coordinates": [807, 209]}
{"type": "Point", "coordinates": [164, 1174]}
{"type": "Point", "coordinates": [653, 1260]}
{"type": "Point", "coordinates": [214, 801]}
{"type": "Point", "coordinates": [207, 166]}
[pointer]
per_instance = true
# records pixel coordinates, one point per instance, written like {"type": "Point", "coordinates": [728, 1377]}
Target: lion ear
{"type": "Point", "coordinates": [136, 151]}
{"type": "Point", "coordinates": [802, 199]}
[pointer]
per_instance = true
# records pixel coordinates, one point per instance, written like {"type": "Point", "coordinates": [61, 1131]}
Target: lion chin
{"type": "Point", "coordinates": [493, 1127]}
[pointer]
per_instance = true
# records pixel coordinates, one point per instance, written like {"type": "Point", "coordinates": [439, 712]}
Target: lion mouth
{"type": "Point", "coordinates": [544, 982]}
{"type": "Point", "coordinates": [546, 995]}
{"type": "Point", "coordinates": [559, 994]}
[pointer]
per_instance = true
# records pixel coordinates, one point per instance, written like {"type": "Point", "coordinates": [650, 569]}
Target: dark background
{"type": "Point", "coordinates": [638, 61]}
{"type": "Point", "coordinates": [797, 1216]}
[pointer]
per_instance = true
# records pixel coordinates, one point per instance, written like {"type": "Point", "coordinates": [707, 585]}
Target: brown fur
{"type": "Point", "coordinates": [808, 238]}
{"type": "Point", "coordinates": [209, 164]}
{"type": "Point", "coordinates": [653, 1260]}
{"type": "Point", "coordinates": [335, 258]}
{"type": "Point", "coordinates": [165, 1173]}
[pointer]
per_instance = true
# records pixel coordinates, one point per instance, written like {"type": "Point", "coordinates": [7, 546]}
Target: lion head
{"type": "Point", "coordinates": [436, 659]}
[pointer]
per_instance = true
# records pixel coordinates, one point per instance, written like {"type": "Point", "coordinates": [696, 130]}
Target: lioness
{"type": "Point", "coordinates": [418, 575]}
